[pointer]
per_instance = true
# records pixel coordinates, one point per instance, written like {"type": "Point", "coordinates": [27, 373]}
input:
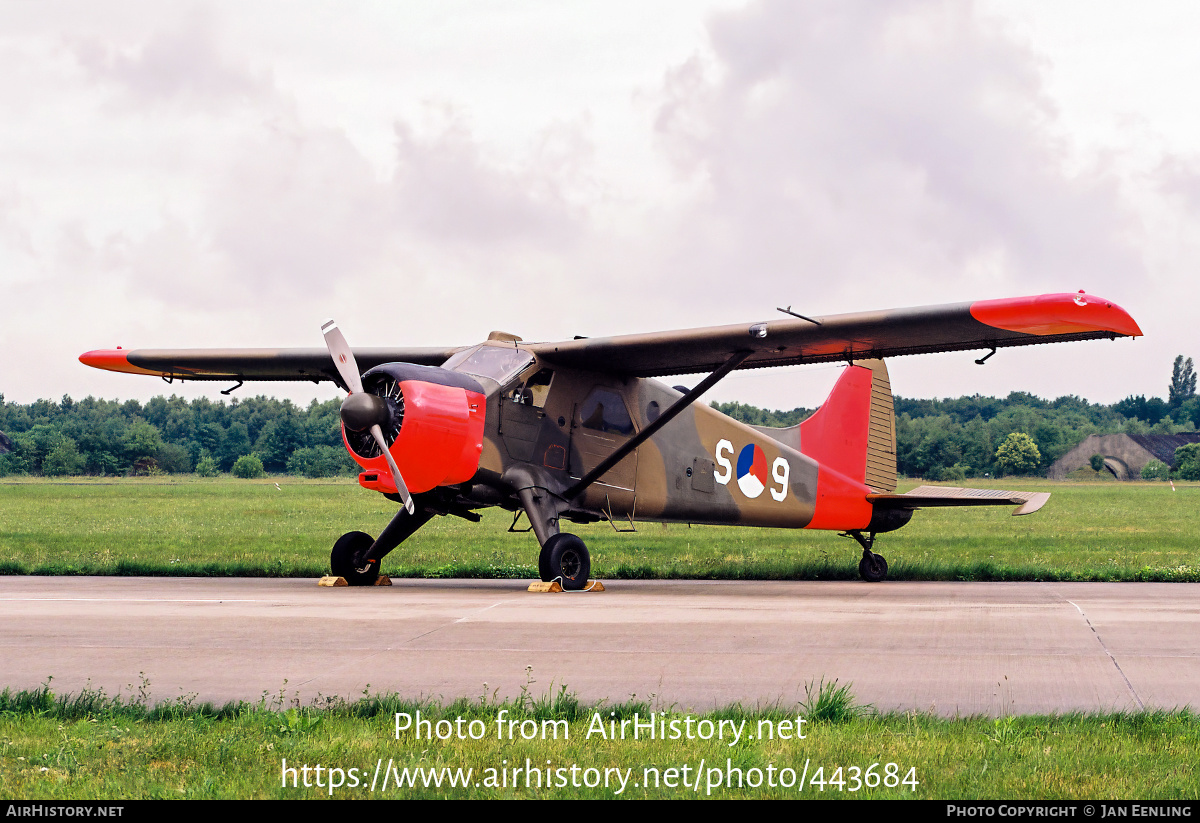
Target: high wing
{"type": "Point", "coordinates": [1018, 321]}
{"type": "Point", "coordinates": [253, 364]}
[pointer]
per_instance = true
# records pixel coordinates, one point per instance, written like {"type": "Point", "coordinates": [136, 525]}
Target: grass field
{"type": "Point", "coordinates": [286, 526]}
{"type": "Point", "coordinates": [92, 747]}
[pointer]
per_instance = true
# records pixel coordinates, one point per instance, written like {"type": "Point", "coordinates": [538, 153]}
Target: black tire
{"type": "Point", "coordinates": [872, 568]}
{"type": "Point", "coordinates": [567, 561]}
{"type": "Point", "coordinates": [344, 559]}
{"type": "Point", "coordinates": [544, 562]}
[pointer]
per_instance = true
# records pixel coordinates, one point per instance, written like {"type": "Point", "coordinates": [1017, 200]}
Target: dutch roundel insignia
{"type": "Point", "coordinates": [752, 471]}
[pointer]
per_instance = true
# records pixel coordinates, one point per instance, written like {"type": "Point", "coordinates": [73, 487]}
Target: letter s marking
{"type": "Point", "coordinates": [726, 472]}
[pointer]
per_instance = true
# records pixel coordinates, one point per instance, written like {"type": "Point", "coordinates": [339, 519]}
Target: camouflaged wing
{"type": "Point", "coordinates": [252, 364]}
{"type": "Point", "coordinates": [1019, 321]}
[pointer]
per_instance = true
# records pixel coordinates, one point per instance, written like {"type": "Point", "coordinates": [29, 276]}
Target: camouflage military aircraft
{"type": "Point", "coordinates": [579, 431]}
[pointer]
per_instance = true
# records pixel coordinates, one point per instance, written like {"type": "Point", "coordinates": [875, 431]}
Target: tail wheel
{"type": "Point", "coordinates": [346, 559]}
{"type": "Point", "coordinates": [872, 568]}
{"type": "Point", "coordinates": [565, 558]}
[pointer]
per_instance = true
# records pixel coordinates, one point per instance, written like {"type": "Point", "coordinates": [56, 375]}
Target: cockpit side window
{"type": "Point", "coordinates": [605, 411]}
{"type": "Point", "coordinates": [535, 390]}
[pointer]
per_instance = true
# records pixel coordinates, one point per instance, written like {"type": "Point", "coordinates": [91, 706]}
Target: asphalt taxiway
{"type": "Point", "coordinates": [949, 648]}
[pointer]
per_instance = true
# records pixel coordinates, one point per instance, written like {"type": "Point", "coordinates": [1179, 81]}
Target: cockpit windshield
{"type": "Point", "coordinates": [499, 363]}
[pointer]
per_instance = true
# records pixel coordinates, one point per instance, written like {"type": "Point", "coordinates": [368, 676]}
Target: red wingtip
{"type": "Point", "coordinates": [1056, 314]}
{"type": "Point", "coordinates": [112, 360]}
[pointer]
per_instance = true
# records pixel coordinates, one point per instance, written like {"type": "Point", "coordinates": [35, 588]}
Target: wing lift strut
{"type": "Point", "coordinates": [564, 557]}
{"type": "Point", "coordinates": [652, 429]}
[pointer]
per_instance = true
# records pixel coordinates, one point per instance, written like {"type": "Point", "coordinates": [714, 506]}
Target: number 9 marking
{"type": "Point", "coordinates": [780, 471]}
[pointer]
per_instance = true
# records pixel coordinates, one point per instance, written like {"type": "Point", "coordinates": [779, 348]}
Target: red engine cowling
{"type": "Point", "coordinates": [436, 434]}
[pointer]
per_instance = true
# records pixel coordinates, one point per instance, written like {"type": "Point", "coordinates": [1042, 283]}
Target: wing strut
{"type": "Point", "coordinates": [650, 430]}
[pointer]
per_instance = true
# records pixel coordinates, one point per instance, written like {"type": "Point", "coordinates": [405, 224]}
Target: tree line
{"type": "Point", "coordinates": [944, 439]}
{"type": "Point", "coordinates": [975, 436]}
{"type": "Point", "coordinates": [172, 435]}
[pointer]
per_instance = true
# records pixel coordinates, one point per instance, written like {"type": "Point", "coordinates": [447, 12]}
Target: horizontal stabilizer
{"type": "Point", "coordinates": [924, 497]}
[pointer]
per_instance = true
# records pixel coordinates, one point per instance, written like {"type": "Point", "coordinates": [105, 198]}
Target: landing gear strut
{"type": "Point", "coordinates": [873, 567]}
{"type": "Point", "coordinates": [356, 555]}
{"type": "Point", "coordinates": [565, 558]}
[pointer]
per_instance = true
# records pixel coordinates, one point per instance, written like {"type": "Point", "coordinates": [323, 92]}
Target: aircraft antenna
{"type": "Point", "coordinates": [788, 310]}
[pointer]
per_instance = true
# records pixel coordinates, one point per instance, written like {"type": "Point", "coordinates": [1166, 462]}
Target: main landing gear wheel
{"type": "Point", "coordinates": [346, 559]}
{"type": "Point", "coordinates": [872, 568]}
{"type": "Point", "coordinates": [565, 558]}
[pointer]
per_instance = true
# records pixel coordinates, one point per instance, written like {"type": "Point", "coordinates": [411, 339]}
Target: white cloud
{"type": "Point", "coordinates": [180, 64]}
{"type": "Point", "coordinates": [891, 149]}
{"type": "Point", "coordinates": [448, 192]}
{"type": "Point", "coordinates": [218, 175]}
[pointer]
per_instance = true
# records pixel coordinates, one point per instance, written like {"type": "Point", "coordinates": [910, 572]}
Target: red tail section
{"type": "Point", "coordinates": [836, 435]}
{"type": "Point", "coordinates": [853, 438]}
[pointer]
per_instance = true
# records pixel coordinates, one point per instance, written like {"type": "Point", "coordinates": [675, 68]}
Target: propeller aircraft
{"type": "Point", "coordinates": [580, 431]}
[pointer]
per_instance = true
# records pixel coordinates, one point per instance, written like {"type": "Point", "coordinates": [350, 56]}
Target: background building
{"type": "Point", "coordinates": [1125, 455]}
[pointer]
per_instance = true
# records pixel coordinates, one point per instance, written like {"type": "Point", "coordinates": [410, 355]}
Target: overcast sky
{"type": "Point", "coordinates": [232, 173]}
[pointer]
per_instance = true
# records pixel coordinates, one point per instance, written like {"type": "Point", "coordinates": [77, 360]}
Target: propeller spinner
{"type": "Point", "coordinates": [361, 410]}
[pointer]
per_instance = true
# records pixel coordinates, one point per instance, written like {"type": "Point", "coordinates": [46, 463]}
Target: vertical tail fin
{"type": "Point", "coordinates": [854, 431]}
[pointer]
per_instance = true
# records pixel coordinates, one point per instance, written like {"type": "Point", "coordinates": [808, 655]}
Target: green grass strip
{"type": "Point", "coordinates": [95, 746]}
{"type": "Point", "coordinates": [285, 527]}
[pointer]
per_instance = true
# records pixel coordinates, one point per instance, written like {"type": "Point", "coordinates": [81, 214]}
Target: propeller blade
{"type": "Point", "coordinates": [400, 487]}
{"type": "Point", "coordinates": [343, 356]}
{"type": "Point", "coordinates": [347, 366]}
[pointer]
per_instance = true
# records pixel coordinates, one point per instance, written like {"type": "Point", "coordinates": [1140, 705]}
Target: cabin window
{"type": "Point", "coordinates": [535, 390]}
{"type": "Point", "coordinates": [605, 411]}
